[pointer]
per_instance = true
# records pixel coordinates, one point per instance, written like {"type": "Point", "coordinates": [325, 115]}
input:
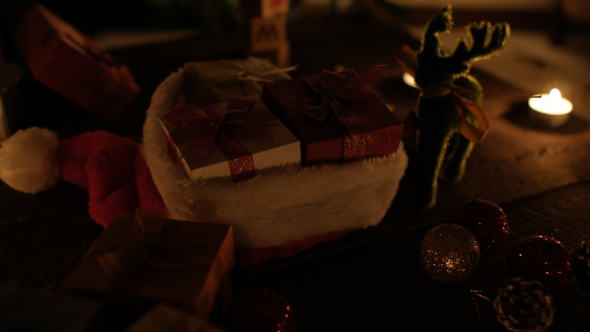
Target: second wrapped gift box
{"type": "Point", "coordinates": [336, 116]}
{"type": "Point", "coordinates": [210, 82]}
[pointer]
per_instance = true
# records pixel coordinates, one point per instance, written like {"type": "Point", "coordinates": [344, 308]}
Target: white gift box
{"type": "Point", "coordinates": [283, 151]}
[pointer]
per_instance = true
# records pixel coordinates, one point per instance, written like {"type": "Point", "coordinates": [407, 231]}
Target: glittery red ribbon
{"type": "Point", "coordinates": [201, 127]}
{"type": "Point", "coordinates": [334, 91]}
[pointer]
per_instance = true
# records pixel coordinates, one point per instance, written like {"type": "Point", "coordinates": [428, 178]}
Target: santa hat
{"type": "Point", "coordinates": [273, 215]}
{"type": "Point", "coordinates": [113, 171]}
{"type": "Point", "coordinates": [118, 180]}
{"type": "Point", "coordinates": [107, 165]}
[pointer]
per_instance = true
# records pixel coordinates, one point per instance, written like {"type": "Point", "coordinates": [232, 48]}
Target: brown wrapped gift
{"type": "Point", "coordinates": [212, 82]}
{"type": "Point", "coordinates": [181, 263]}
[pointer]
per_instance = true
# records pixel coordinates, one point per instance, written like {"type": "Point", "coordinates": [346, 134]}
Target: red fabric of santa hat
{"type": "Point", "coordinates": [107, 165]}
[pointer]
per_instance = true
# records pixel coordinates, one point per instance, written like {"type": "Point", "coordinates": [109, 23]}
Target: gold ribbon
{"type": "Point", "coordinates": [249, 75]}
{"type": "Point", "coordinates": [250, 70]}
{"type": "Point", "coordinates": [152, 249]}
{"type": "Point", "coordinates": [407, 60]}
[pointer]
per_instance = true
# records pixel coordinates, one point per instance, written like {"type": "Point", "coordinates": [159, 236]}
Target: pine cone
{"type": "Point", "coordinates": [580, 257]}
{"type": "Point", "coordinates": [525, 305]}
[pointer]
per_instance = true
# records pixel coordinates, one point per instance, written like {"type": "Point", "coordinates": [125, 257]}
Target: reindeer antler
{"type": "Point", "coordinates": [437, 71]}
{"type": "Point", "coordinates": [439, 24]}
{"type": "Point", "coordinates": [482, 47]}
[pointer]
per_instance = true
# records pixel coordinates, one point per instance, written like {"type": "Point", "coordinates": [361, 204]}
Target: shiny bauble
{"type": "Point", "coordinates": [260, 310]}
{"type": "Point", "coordinates": [542, 258]}
{"type": "Point", "coordinates": [487, 221]}
{"type": "Point", "coordinates": [525, 305]}
{"type": "Point", "coordinates": [449, 253]}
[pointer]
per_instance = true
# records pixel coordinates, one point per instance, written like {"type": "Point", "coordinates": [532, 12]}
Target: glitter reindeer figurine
{"type": "Point", "coordinates": [450, 118]}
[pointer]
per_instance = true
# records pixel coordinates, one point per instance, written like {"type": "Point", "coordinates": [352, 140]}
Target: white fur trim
{"type": "Point", "coordinates": [271, 209]}
{"type": "Point", "coordinates": [28, 160]}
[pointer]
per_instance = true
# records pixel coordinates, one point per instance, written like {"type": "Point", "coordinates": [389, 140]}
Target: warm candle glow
{"type": "Point", "coordinates": [551, 109]}
{"type": "Point", "coordinates": [551, 103]}
{"type": "Point", "coordinates": [409, 80]}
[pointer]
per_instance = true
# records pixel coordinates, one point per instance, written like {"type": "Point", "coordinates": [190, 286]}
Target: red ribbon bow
{"type": "Point", "coordinates": [334, 91]}
{"type": "Point", "coordinates": [201, 127]}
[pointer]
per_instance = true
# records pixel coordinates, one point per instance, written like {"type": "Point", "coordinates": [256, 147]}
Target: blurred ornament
{"type": "Point", "coordinates": [260, 310]}
{"type": "Point", "coordinates": [449, 253]}
{"type": "Point", "coordinates": [542, 258]}
{"type": "Point", "coordinates": [487, 222]}
{"type": "Point", "coordinates": [580, 258]}
{"type": "Point", "coordinates": [524, 305]}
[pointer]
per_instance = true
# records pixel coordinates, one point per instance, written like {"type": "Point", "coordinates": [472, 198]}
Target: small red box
{"type": "Point", "coordinates": [323, 142]}
{"type": "Point", "coordinates": [70, 63]}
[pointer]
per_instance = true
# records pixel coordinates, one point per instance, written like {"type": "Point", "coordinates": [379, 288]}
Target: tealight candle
{"type": "Point", "coordinates": [409, 80]}
{"type": "Point", "coordinates": [550, 109]}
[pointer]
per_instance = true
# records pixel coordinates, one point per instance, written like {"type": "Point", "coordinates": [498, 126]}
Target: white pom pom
{"type": "Point", "coordinates": [28, 160]}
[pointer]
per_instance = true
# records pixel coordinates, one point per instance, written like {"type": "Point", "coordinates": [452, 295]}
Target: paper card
{"type": "Point", "coordinates": [267, 33]}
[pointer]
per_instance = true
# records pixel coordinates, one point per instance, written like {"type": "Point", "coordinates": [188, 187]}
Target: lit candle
{"type": "Point", "coordinates": [550, 109]}
{"type": "Point", "coordinates": [409, 80]}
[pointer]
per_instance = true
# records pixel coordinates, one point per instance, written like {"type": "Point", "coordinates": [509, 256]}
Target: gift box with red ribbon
{"type": "Point", "coordinates": [336, 116]}
{"type": "Point", "coordinates": [209, 82]}
{"type": "Point", "coordinates": [184, 264]}
{"type": "Point", "coordinates": [70, 63]}
{"type": "Point", "coordinates": [236, 139]}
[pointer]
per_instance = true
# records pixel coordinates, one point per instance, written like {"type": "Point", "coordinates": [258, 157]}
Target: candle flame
{"type": "Point", "coordinates": [555, 95]}
{"type": "Point", "coordinates": [551, 104]}
{"type": "Point", "coordinates": [409, 80]}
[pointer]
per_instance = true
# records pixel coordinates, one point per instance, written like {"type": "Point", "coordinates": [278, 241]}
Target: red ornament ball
{"type": "Point", "coordinates": [487, 222]}
{"type": "Point", "coordinates": [542, 258]}
{"type": "Point", "coordinates": [260, 310]}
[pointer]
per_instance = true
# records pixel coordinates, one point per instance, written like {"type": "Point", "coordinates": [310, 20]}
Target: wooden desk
{"type": "Point", "coordinates": [369, 280]}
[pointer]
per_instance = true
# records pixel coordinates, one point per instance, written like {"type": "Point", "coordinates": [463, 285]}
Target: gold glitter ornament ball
{"type": "Point", "coordinates": [449, 253]}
